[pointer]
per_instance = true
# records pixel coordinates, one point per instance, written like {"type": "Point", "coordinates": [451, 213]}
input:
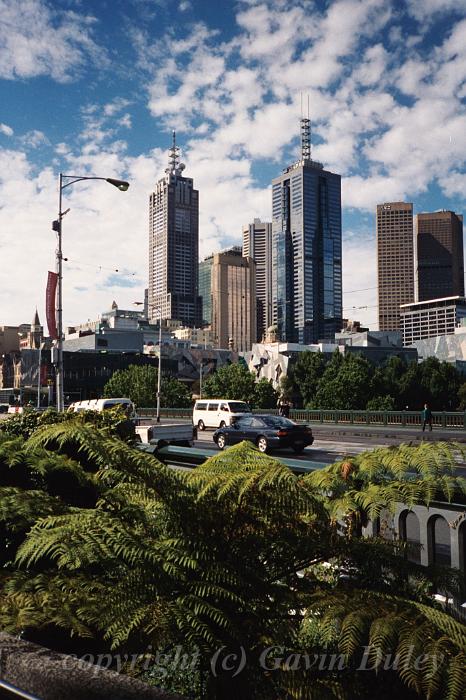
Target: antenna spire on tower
{"type": "Point", "coordinates": [305, 138]}
{"type": "Point", "coordinates": [175, 167]}
{"type": "Point", "coordinates": [305, 123]}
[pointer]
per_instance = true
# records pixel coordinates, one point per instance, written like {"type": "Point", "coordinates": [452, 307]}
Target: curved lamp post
{"type": "Point", "coordinates": [159, 366]}
{"type": "Point", "coordinates": [66, 181]}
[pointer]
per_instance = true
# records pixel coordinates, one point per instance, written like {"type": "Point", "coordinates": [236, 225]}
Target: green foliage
{"type": "Point", "coordinates": [381, 403]}
{"type": "Point", "coordinates": [139, 383]}
{"type": "Point", "coordinates": [344, 383]}
{"type": "Point", "coordinates": [24, 424]}
{"type": "Point", "coordinates": [462, 397]}
{"type": "Point", "coordinates": [265, 395]}
{"type": "Point", "coordinates": [306, 373]}
{"type": "Point", "coordinates": [212, 560]}
{"type": "Point", "coordinates": [351, 382]}
{"type": "Point", "coordinates": [230, 382]}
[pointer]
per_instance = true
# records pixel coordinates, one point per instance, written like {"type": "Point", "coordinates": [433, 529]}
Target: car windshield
{"type": "Point", "coordinates": [277, 422]}
{"type": "Point", "coordinates": [239, 407]}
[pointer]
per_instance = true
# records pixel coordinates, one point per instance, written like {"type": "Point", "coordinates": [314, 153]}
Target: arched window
{"type": "Point", "coordinates": [439, 534]}
{"type": "Point", "coordinates": [462, 546]}
{"type": "Point", "coordinates": [410, 532]}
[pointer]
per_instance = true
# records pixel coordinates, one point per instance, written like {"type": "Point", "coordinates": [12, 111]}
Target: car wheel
{"type": "Point", "coordinates": [298, 449]}
{"type": "Point", "coordinates": [262, 444]}
{"type": "Point", "coordinates": [201, 425]}
{"type": "Point", "coordinates": [222, 424]}
{"type": "Point", "coordinates": [221, 441]}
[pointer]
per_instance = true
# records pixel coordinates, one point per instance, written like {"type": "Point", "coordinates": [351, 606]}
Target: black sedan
{"type": "Point", "coordinates": [267, 432]}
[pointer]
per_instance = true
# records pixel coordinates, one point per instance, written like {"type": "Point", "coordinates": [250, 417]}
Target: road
{"type": "Point", "coordinates": [328, 448]}
{"type": "Point", "coordinates": [325, 450]}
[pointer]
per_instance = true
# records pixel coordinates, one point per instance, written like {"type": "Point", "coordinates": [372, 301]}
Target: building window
{"type": "Point", "coordinates": [439, 535]}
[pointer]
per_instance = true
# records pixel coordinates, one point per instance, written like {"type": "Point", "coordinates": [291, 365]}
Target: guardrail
{"type": "Point", "coordinates": [192, 457]}
{"type": "Point", "coordinates": [402, 419]}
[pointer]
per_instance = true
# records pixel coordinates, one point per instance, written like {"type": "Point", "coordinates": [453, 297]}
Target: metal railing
{"type": "Point", "coordinates": [401, 419]}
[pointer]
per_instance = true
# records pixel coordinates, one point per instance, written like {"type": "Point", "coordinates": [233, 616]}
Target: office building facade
{"type": "Point", "coordinates": [439, 255]}
{"type": "Point", "coordinates": [395, 261]}
{"type": "Point", "coordinates": [205, 289]}
{"type": "Point", "coordinates": [306, 249]}
{"type": "Point", "coordinates": [233, 301]}
{"type": "Point", "coordinates": [173, 246]}
{"type": "Point", "coordinates": [431, 318]}
{"type": "Point", "coordinates": [257, 244]}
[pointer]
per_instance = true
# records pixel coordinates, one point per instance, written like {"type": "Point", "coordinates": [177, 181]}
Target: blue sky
{"type": "Point", "coordinates": [96, 88]}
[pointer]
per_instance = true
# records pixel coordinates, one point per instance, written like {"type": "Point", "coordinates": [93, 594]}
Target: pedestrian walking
{"type": "Point", "coordinates": [426, 417]}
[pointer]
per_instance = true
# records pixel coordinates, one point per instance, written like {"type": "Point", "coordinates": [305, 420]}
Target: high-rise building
{"type": "Point", "coordinates": [173, 246]}
{"type": "Point", "coordinates": [439, 255]}
{"type": "Point", "coordinates": [306, 249]}
{"type": "Point", "coordinates": [205, 289]}
{"type": "Point", "coordinates": [395, 261]}
{"type": "Point", "coordinates": [431, 318]}
{"type": "Point", "coordinates": [257, 244]}
{"type": "Point", "coordinates": [233, 300]}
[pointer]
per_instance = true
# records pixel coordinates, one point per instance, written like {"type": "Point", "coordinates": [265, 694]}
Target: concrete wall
{"type": "Point", "coordinates": [52, 676]}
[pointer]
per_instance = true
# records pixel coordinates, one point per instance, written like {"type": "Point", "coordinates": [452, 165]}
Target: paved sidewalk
{"type": "Point", "coordinates": [402, 434]}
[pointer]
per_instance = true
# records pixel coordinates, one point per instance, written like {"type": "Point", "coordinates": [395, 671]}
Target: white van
{"type": "Point", "coordinates": [216, 413]}
{"type": "Point", "coordinates": [103, 404]}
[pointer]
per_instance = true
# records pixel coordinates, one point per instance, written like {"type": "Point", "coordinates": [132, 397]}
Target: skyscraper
{"type": "Point", "coordinates": [205, 289]}
{"type": "Point", "coordinates": [306, 249]}
{"type": "Point", "coordinates": [439, 255]}
{"type": "Point", "coordinates": [233, 300]}
{"type": "Point", "coordinates": [395, 261]}
{"type": "Point", "coordinates": [257, 244]}
{"type": "Point", "coordinates": [173, 245]}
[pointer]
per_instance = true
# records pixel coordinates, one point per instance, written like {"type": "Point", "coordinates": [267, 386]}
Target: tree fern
{"type": "Point", "coordinates": [211, 557]}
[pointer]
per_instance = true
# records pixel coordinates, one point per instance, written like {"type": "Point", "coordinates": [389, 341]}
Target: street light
{"type": "Point", "coordinates": [159, 368]}
{"type": "Point", "coordinates": [66, 181]}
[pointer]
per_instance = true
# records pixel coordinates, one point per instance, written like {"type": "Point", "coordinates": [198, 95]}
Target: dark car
{"type": "Point", "coordinates": [267, 432]}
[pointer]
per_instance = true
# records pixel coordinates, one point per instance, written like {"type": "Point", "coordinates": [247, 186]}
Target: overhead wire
{"type": "Point", "coordinates": [101, 267]}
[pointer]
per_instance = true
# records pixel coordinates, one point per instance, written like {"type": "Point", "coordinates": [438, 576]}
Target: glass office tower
{"type": "Point", "coordinates": [306, 249]}
{"type": "Point", "coordinates": [173, 246]}
{"type": "Point", "coordinates": [205, 289]}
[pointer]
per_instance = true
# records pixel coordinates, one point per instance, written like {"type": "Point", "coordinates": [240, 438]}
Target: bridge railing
{"type": "Point", "coordinates": [403, 419]}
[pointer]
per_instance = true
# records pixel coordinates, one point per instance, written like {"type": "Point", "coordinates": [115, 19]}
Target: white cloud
{"type": "Point", "coordinates": [34, 139]}
{"type": "Point", "coordinates": [360, 279]}
{"type": "Point", "coordinates": [36, 40]}
{"type": "Point", "coordinates": [235, 105]}
{"type": "Point", "coordinates": [6, 130]}
{"type": "Point", "coordinates": [424, 10]}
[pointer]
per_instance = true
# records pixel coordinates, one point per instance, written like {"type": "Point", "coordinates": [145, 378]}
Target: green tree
{"type": "Point", "coordinates": [213, 559]}
{"type": "Point", "coordinates": [344, 383]}
{"type": "Point", "coordinates": [381, 403]}
{"type": "Point", "coordinates": [175, 394]}
{"type": "Point", "coordinates": [462, 397]}
{"type": "Point", "coordinates": [139, 383]}
{"type": "Point", "coordinates": [265, 395]}
{"type": "Point", "coordinates": [386, 380]}
{"type": "Point", "coordinates": [305, 373]}
{"type": "Point", "coordinates": [230, 382]}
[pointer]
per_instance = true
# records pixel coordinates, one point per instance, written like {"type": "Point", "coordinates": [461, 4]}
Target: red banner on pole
{"type": "Point", "coordinates": [50, 304]}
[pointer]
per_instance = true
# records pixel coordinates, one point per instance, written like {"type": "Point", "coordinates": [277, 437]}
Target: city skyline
{"type": "Point", "coordinates": [386, 93]}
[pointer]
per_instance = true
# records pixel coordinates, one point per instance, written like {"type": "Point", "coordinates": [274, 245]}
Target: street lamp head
{"type": "Point", "coordinates": [122, 185]}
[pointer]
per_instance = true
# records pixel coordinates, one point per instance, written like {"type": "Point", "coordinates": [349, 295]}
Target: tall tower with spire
{"type": "Point", "coordinates": [306, 249]}
{"type": "Point", "coordinates": [174, 245]}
